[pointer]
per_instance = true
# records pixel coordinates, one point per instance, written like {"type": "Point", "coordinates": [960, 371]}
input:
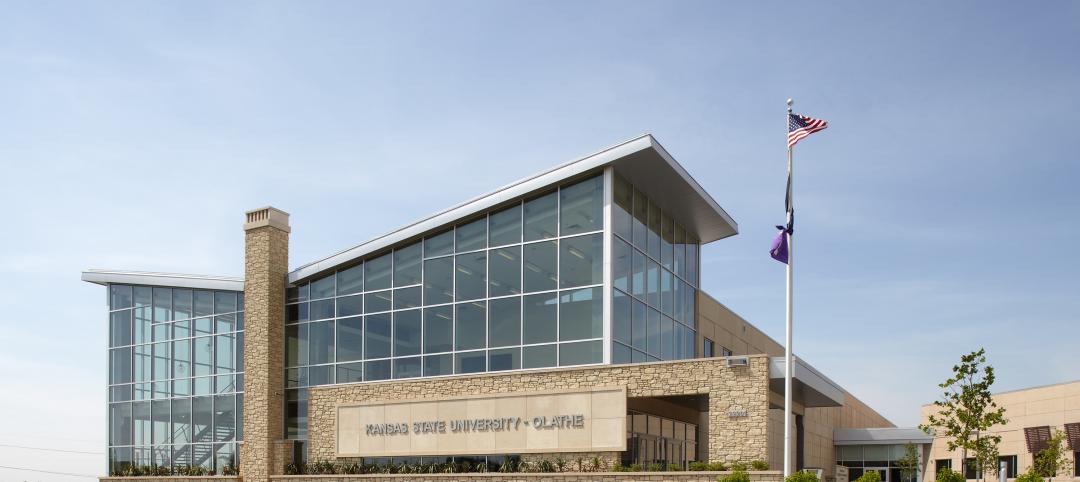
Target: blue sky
{"type": "Point", "coordinates": [935, 213]}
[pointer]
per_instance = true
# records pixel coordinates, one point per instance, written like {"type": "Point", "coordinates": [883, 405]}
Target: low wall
{"type": "Point", "coordinates": [763, 476]}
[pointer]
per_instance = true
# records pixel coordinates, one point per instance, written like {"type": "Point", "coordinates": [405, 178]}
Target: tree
{"type": "Point", "coordinates": [1052, 459]}
{"type": "Point", "coordinates": [909, 463]}
{"type": "Point", "coordinates": [967, 410]}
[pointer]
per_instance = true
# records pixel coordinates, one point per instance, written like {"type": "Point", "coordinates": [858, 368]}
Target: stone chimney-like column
{"type": "Point", "coordinates": [266, 264]}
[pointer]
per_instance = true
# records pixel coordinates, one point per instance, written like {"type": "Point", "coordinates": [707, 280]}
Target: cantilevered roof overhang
{"type": "Point", "coordinates": [880, 436]}
{"type": "Point", "coordinates": [808, 386]}
{"type": "Point", "coordinates": [105, 277]}
{"type": "Point", "coordinates": [642, 161]}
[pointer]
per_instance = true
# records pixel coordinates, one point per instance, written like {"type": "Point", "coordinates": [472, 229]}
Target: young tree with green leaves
{"type": "Point", "coordinates": [967, 410]}
{"type": "Point", "coordinates": [909, 463]}
{"type": "Point", "coordinates": [1053, 459]}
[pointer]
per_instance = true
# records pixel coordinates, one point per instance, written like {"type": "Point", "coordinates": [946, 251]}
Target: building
{"type": "Point", "coordinates": [1032, 415]}
{"type": "Point", "coordinates": [556, 317]}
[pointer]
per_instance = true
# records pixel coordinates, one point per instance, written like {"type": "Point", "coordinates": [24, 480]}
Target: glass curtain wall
{"type": "Point", "coordinates": [175, 377]}
{"type": "Point", "coordinates": [658, 440]}
{"type": "Point", "coordinates": [518, 287]}
{"type": "Point", "coordinates": [654, 263]}
{"type": "Point", "coordinates": [860, 459]}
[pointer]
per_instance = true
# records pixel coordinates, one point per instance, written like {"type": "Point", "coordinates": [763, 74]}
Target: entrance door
{"type": "Point", "coordinates": [882, 471]}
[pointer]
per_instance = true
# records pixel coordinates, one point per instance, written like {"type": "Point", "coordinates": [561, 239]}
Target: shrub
{"type": "Point", "coordinates": [1029, 476]}
{"type": "Point", "coordinates": [635, 468]}
{"type": "Point", "coordinates": [699, 466]}
{"type": "Point", "coordinates": [870, 476]}
{"type": "Point", "coordinates": [802, 477]}
{"type": "Point", "coordinates": [717, 466]}
{"type": "Point", "coordinates": [736, 476]}
{"type": "Point", "coordinates": [674, 467]}
{"type": "Point", "coordinates": [948, 475]}
{"type": "Point", "coordinates": [656, 468]}
{"type": "Point", "coordinates": [738, 467]}
{"type": "Point", "coordinates": [759, 465]}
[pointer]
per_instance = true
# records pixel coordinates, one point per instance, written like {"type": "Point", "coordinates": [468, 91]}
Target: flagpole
{"type": "Point", "coordinates": [787, 334]}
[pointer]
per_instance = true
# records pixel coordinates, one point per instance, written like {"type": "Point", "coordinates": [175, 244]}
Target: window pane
{"type": "Point", "coordinates": [691, 261]}
{"type": "Point", "coordinates": [438, 281]}
{"type": "Point", "coordinates": [350, 305]}
{"type": "Point", "coordinates": [438, 365]}
{"type": "Point", "coordinates": [405, 298]}
{"type": "Point", "coordinates": [120, 328]}
{"type": "Point", "coordinates": [322, 309]}
{"type": "Point", "coordinates": [439, 244]}
{"type": "Point", "coordinates": [654, 231]}
{"type": "Point", "coordinates": [621, 217]}
{"type": "Point", "coordinates": [351, 280]}
{"type": "Point", "coordinates": [680, 251]}
{"type": "Point", "coordinates": [377, 273]}
{"type": "Point", "coordinates": [620, 317]}
{"type": "Point", "coordinates": [182, 358]}
{"type": "Point", "coordinates": [377, 336]}
{"type": "Point", "coordinates": [541, 217]}
{"type": "Point", "coordinates": [667, 339]}
{"type": "Point", "coordinates": [538, 356]}
{"type": "Point", "coordinates": [120, 365]}
{"type": "Point", "coordinates": [471, 236]}
{"type": "Point", "coordinates": [141, 329]}
{"type": "Point", "coordinates": [181, 421]}
{"type": "Point", "coordinates": [652, 283]}
{"type": "Point", "coordinates": [652, 325]}
{"type": "Point", "coordinates": [120, 424]}
{"type": "Point", "coordinates": [505, 267]}
{"type": "Point", "coordinates": [350, 372]}
{"type": "Point", "coordinates": [504, 322]}
{"type": "Point", "coordinates": [295, 313]}
{"type": "Point", "coordinates": [620, 353]}
{"type": "Point", "coordinates": [140, 413]}
{"type": "Point", "coordinates": [182, 304]}
{"type": "Point", "coordinates": [641, 220]}
{"type": "Point", "coordinates": [581, 353]}
{"type": "Point", "coordinates": [119, 297]}
{"type": "Point", "coordinates": [407, 265]}
{"type": "Point", "coordinates": [322, 288]}
{"type": "Point", "coordinates": [407, 367]}
{"type": "Point", "coordinates": [376, 302]}
{"type": "Point", "coordinates": [581, 260]}
{"type": "Point", "coordinates": [504, 359]}
{"type": "Point", "coordinates": [638, 274]}
{"type": "Point", "coordinates": [350, 339]}
{"type": "Point", "coordinates": [470, 362]}
{"type": "Point", "coordinates": [667, 237]}
{"type": "Point", "coordinates": [471, 282]}
{"type": "Point", "coordinates": [471, 321]}
{"type": "Point", "coordinates": [162, 304]}
{"type": "Point", "coordinates": [438, 329]}
{"type": "Point", "coordinates": [224, 417]}
{"type": "Point", "coordinates": [582, 206]}
{"type": "Point", "coordinates": [621, 264]}
{"type": "Point", "coordinates": [407, 334]}
{"type": "Point", "coordinates": [505, 226]}
{"type": "Point", "coordinates": [296, 345]}
{"type": "Point", "coordinates": [143, 297]}
{"type": "Point", "coordinates": [667, 298]}
{"type": "Point", "coordinates": [539, 318]}
{"type": "Point", "coordinates": [162, 415]}
{"type": "Point", "coordinates": [225, 323]}
{"type": "Point", "coordinates": [540, 264]}
{"type": "Point", "coordinates": [225, 301]}
{"type": "Point", "coordinates": [638, 321]}
{"type": "Point", "coordinates": [202, 353]}
{"type": "Point", "coordinates": [377, 370]}
{"type": "Point", "coordinates": [321, 344]}
{"type": "Point", "coordinates": [581, 314]}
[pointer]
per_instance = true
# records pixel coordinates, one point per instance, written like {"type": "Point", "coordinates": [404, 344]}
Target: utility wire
{"type": "Point", "coordinates": [50, 450]}
{"type": "Point", "coordinates": [48, 472]}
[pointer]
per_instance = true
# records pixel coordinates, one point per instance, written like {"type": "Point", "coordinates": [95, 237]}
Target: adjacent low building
{"type": "Point", "coordinates": [560, 316]}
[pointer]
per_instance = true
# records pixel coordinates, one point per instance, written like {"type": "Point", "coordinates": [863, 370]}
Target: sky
{"type": "Point", "coordinates": [936, 213]}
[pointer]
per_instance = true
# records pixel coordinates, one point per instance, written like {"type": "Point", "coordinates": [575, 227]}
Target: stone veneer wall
{"type": "Point", "coordinates": [266, 263]}
{"type": "Point", "coordinates": [730, 439]}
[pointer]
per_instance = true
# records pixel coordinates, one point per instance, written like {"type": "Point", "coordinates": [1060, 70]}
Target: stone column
{"type": "Point", "coordinates": [266, 264]}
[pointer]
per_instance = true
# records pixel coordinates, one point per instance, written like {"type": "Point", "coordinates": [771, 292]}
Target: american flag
{"type": "Point", "coordinates": [800, 126]}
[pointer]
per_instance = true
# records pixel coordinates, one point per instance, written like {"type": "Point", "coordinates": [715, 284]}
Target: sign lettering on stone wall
{"type": "Point", "coordinates": [560, 421]}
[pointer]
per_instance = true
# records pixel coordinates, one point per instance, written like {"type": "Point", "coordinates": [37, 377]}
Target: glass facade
{"type": "Point", "coordinates": [860, 459]}
{"type": "Point", "coordinates": [659, 440]}
{"type": "Point", "coordinates": [654, 264]}
{"type": "Point", "coordinates": [175, 377]}
{"type": "Point", "coordinates": [518, 287]}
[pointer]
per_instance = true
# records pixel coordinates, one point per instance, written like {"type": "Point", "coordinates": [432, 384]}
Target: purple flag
{"type": "Point", "coordinates": [778, 251]}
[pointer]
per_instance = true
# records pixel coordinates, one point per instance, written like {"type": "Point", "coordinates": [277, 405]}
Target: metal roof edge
{"type": "Point", "coordinates": [176, 280]}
